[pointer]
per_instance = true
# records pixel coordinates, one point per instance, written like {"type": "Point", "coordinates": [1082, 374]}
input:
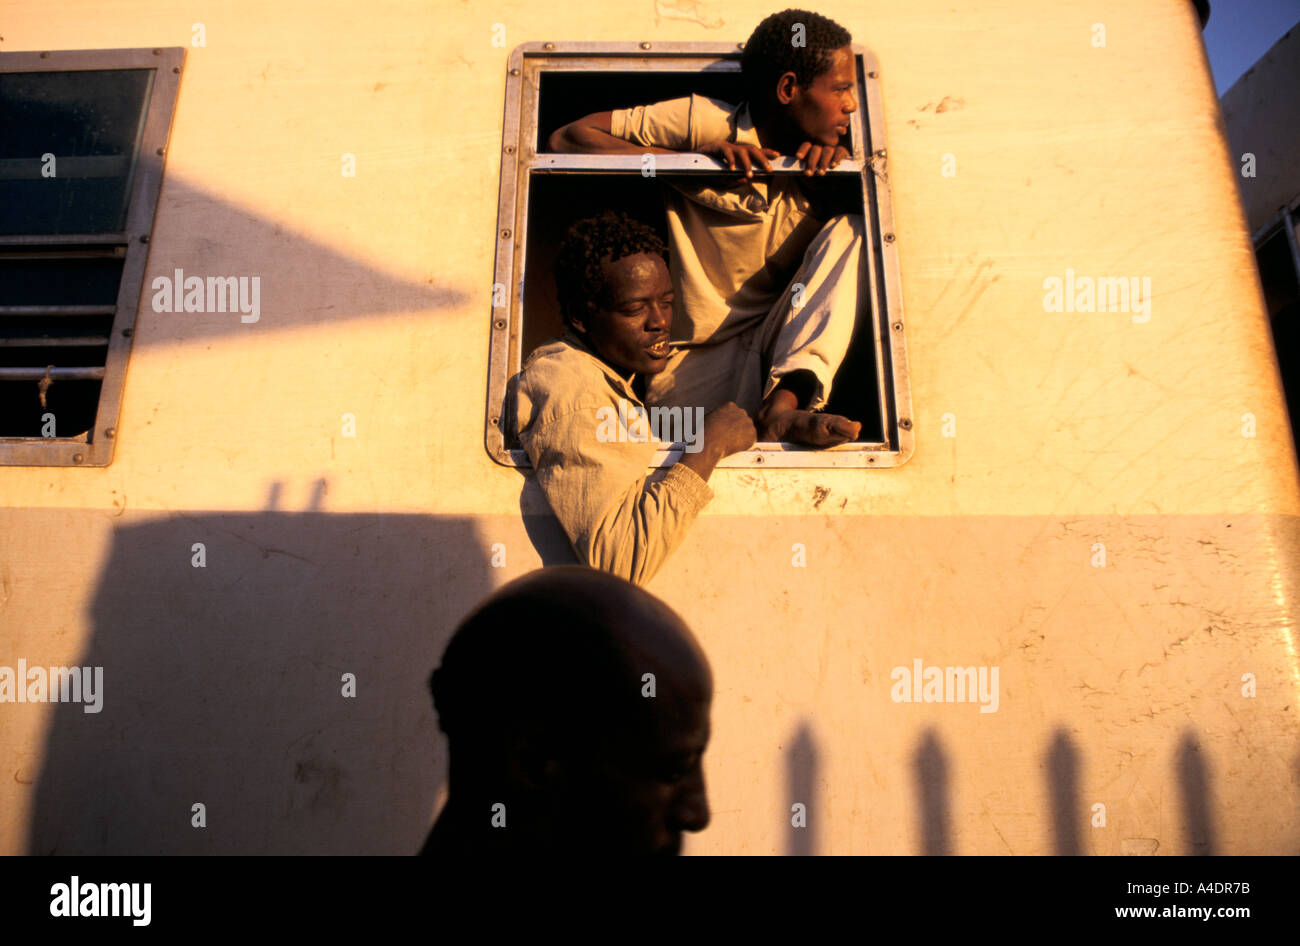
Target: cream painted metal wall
{"type": "Point", "coordinates": [1119, 686]}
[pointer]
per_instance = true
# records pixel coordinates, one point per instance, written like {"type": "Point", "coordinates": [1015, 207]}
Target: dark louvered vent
{"type": "Point", "coordinates": [56, 314]}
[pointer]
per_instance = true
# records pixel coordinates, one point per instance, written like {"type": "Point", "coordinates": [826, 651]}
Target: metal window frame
{"type": "Point", "coordinates": [520, 159]}
{"type": "Point", "coordinates": [96, 447]}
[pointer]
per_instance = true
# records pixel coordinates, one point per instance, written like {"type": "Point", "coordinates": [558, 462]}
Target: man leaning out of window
{"type": "Point", "coordinates": [579, 418]}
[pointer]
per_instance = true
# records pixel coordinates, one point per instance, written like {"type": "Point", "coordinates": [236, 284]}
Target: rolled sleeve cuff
{"type": "Point", "coordinates": [618, 122]}
{"type": "Point", "coordinates": [818, 390]}
{"type": "Point", "coordinates": [686, 483]}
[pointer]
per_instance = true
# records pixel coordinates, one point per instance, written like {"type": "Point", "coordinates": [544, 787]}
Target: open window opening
{"type": "Point", "coordinates": [542, 192]}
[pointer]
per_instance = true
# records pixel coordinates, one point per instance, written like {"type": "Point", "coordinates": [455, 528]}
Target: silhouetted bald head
{"type": "Point", "coordinates": [580, 702]}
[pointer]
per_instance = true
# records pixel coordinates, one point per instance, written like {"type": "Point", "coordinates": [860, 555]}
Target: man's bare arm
{"type": "Point", "coordinates": [591, 135]}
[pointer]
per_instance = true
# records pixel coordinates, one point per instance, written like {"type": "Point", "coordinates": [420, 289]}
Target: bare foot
{"type": "Point", "coordinates": [808, 427]}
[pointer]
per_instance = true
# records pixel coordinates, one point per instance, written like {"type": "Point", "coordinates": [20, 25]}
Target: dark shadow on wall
{"type": "Point", "coordinates": [1194, 785]}
{"type": "Point", "coordinates": [931, 766]}
{"type": "Point", "coordinates": [1063, 789]}
{"type": "Point", "coordinates": [223, 685]}
{"type": "Point", "coordinates": [801, 767]}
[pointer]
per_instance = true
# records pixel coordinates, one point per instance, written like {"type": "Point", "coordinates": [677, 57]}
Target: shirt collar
{"type": "Point", "coordinates": [578, 342]}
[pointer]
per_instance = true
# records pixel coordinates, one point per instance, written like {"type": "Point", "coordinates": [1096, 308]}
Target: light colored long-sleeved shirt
{"type": "Point", "coordinates": [735, 243]}
{"type": "Point", "coordinates": [620, 517]}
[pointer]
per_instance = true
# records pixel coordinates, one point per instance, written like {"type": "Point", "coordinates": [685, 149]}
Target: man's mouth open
{"type": "Point", "coordinates": [659, 349]}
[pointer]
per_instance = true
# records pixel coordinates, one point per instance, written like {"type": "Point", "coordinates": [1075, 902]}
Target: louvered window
{"type": "Point", "coordinates": [83, 134]}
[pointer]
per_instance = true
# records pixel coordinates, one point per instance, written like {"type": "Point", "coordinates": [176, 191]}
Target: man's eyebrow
{"type": "Point", "coordinates": [642, 298]}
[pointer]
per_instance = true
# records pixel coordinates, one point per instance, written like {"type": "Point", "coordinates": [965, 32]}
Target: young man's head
{"type": "Point", "coordinates": [800, 76]}
{"type": "Point", "coordinates": [614, 289]}
{"type": "Point", "coordinates": [581, 703]}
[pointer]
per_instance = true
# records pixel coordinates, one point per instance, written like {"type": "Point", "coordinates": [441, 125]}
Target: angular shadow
{"type": "Point", "coordinates": [801, 770]}
{"type": "Point", "coordinates": [1194, 784]}
{"type": "Point", "coordinates": [932, 788]}
{"type": "Point", "coordinates": [303, 283]}
{"type": "Point", "coordinates": [224, 685]}
{"type": "Point", "coordinates": [1063, 789]}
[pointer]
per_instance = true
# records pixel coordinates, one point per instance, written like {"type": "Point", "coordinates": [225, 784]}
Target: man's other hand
{"type": "Point", "coordinates": [818, 159]}
{"type": "Point", "coordinates": [741, 157]}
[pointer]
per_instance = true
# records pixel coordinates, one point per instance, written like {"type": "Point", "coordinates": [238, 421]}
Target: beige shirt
{"type": "Point", "coordinates": [619, 518]}
{"type": "Point", "coordinates": [735, 244]}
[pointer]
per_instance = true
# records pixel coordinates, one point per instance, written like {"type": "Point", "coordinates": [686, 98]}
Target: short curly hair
{"type": "Point", "coordinates": [587, 245]}
{"type": "Point", "coordinates": [771, 51]}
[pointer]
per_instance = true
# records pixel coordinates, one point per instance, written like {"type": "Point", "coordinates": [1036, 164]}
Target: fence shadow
{"type": "Point", "coordinates": [1062, 765]}
{"type": "Point", "coordinates": [931, 771]}
{"type": "Point", "coordinates": [1063, 789]}
{"type": "Point", "coordinates": [1194, 784]}
{"type": "Point", "coordinates": [801, 768]}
